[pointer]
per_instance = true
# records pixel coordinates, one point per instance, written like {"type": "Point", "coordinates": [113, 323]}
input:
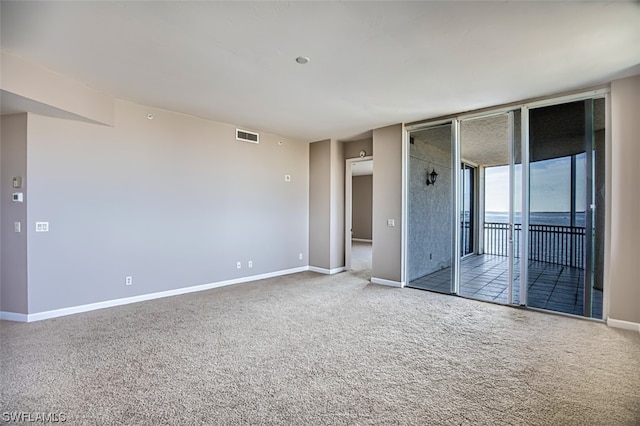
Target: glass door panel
{"type": "Point", "coordinates": [564, 224]}
{"type": "Point", "coordinates": [430, 246]}
{"type": "Point", "coordinates": [486, 267]}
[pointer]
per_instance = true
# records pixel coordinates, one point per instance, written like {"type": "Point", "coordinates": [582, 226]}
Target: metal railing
{"type": "Point", "coordinates": [466, 243]}
{"type": "Point", "coordinates": [561, 245]}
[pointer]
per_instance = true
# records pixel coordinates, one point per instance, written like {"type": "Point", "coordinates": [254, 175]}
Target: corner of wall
{"type": "Point", "coordinates": [623, 271]}
{"type": "Point", "coordinates": [34, 88]}
{"type": "Point", "coordinates": [387, 203]}
{"type": "Point", "coordinates": [13, 254]}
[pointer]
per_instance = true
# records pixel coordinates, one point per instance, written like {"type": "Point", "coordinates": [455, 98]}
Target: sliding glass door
{"type": "Point", "coordinates": [566, 184]}
{"type": "Point", "coordinates": [487, 264]}
{"type": "Point", "coordinates": [503, 207]}
{"type": "Point", "coordinates": [430, 206]}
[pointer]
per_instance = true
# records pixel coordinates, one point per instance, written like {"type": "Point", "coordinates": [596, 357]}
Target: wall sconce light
{"type": "Point", "coordinates": [431, 178]}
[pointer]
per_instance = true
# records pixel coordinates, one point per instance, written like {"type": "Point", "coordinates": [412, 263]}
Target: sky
{"type": "Point", "coordinates": [550, 186]}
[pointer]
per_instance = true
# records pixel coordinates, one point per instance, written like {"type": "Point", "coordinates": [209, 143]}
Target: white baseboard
{"type": "Point", "coordinates": [143, 297]}
{"type": "Point", "coordinates": [626, 325]}
{"type": "Point", "coordinates": [361, 240]}
{"type": "Point", "coordinates": [327, 271]}
{"type": "Point", "coordinates": [12, 316]}
{"type": "Point", "coordinates": [390, 283]}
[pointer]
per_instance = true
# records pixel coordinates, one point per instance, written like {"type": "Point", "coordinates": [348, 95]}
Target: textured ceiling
{"type": "Point", "coordinates": [372, 63]}
{"type": "Point", "coordinates": [555, 131]}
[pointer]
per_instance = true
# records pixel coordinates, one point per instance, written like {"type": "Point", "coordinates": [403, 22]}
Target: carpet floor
{"type": "Point", "coordinates": [310, 349]}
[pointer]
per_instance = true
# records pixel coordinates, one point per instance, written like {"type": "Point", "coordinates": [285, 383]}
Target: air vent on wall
{"type": "Point", "coordinates": [246, 136]}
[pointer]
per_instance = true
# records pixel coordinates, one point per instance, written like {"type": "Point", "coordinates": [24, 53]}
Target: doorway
{"type": "Point", "coordinates": [358, 213]}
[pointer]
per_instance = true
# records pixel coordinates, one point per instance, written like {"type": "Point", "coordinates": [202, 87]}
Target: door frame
{"type": "Point", "coordinates": [348, 206]}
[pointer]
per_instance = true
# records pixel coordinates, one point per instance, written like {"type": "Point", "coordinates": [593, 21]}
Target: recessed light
{"type": "Point", "coordinates": [150, 116]}
{"type": "Point", "coordinates": [302, 60]}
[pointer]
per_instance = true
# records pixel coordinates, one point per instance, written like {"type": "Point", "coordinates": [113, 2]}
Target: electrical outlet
{"type": "Point", "coordinates": [391, 222]}
{"type": "Point", "coordinates": [239, 265]}
{"type": "Point", "coordinates": [250, 264]}
{"type": "Point", "coordinates": [42, 226]}
{"type": "Point", "coordinates": [300, 256]}
{"type": "Point", "coordinates": [128, 280]}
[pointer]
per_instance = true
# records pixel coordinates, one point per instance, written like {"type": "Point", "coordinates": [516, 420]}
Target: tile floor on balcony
{"type": "Point", "coordinates": [553, 287]}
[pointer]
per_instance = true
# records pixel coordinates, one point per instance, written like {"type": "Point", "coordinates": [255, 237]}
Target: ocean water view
{"type": "Point", "coordinates": [538, 218]}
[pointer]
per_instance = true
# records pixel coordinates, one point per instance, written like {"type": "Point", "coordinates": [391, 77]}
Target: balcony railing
{"type": "Point", "coordinates": [561, 245]}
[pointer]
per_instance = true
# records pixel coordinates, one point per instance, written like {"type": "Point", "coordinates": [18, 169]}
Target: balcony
{"type": "Point", "coordinates": [555, 266]}
{"type": "Point", "coordinates": [558, 245]}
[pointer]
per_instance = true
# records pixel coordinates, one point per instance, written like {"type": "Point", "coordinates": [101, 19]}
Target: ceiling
{"type": "Point", "coordinates": [372, 64]}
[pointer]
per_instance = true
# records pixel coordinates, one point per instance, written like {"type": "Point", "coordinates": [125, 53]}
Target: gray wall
{"type": "Point", "coordinates": [352, 149]}
{"type": "Point", "coordinates": [174, 202]}
{"type": "Point", "coordinates": [320, 203]}
{"type": "Point", "coordinates": [326, 206]}
{"type": "Point", "coordinates": [337, 205]}
{"type": "Point", "coordinates": [429, 216]}
{"type": "Point", "coordinates": [13, 250]}
{"type": "Point", "coordinates": [624, 267]}
{"type": "Point", "coordinates": [362, 191]}
{"type": "Point", "coordinates": [387, 203]}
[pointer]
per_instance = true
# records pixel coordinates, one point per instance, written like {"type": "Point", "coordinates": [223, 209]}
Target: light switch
{"type": "Point", "coordinates": [42, 226]}
{"type": "Point", "coordinates": [391, 222]}
{"type": "Point", "coordinates": [17, 226]}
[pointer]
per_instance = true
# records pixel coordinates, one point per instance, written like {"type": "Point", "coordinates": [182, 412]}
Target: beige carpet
{"type": "Point", "coordinates": [309, 349]}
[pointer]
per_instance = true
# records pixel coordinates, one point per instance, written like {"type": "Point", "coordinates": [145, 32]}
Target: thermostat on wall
{"type": "Point", "coordinates": [17, 197]}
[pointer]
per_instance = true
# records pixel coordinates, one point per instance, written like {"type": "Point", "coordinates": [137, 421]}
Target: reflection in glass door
{"type": "Point", "coordinates": [430, 209]}
{"type": "Point", "coordinates": [467, 209]}
{"type": "Point", "coordinates": [566, 167]}
{"type": "Point", "coordinates": [487, 269]}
